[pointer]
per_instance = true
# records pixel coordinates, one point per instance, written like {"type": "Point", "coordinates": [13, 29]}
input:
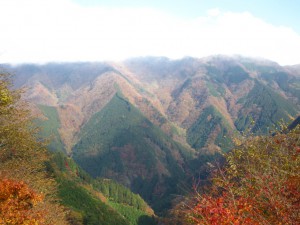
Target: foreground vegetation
{"type": "Point", "coordinates": [260, 184]}
{"type": "Point", "coordinates": [27, 190]}
{"type": "Point", "coordinates": [38, 187]}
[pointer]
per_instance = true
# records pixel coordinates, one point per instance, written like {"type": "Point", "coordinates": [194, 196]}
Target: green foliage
{"type": "Point", "coordinates": [106, 126]}
{"type": "Point", "coordinates": [214, 91]}
{"type": "Point", "coordinates": [23, 155]}
{"type": "Point", "coordinates": [50, 126]}
{"type": "Point", "coordinates": [224, 139]}
{"type": "Point", "coordinates": [265, 108]}
{"type": "Point", "coordinates": [198, 133]}
{"type": "Point", "coordinates": [119, 123]}
{"type": "Point", "coordinates": [133, 215]}
{"type": "Point", "coordinates": [285, 82]}
{"type": "Point", "coordinates": [94, 211]}
{"type": "Point", "coordinates": [60, 163]}
{"type": "Point", "coordinates": [122, 141]}
{"type": "Point", "coordinates": [235, 75]}
{"type": "Point", "coordinates": [80, 192]}
{"type": "Point", "coordinates": [119, 194]}
{"type": "Point", "coordinates": [17, 134]}
{"type": "Point", "coordinates": [208, 121]}
{"type": "Point", "coordinates": [230, 75]}
{"type": "Point", "coordinates": [214, 73]}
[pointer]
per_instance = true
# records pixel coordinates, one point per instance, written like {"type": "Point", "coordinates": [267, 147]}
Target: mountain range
{"type": "Point", "coordinates": [153, 123]}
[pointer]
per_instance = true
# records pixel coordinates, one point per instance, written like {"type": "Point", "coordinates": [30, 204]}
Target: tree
{"type": "Point", "coordinates": [260, 184]}
{"type": "Point", "coordinates": [22, 160]}
{"type": "Point", "coordinates": [18, 204]}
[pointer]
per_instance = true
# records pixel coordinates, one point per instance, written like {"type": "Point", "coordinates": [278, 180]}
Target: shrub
{"type": "Point", "coordinates": [259, 184]}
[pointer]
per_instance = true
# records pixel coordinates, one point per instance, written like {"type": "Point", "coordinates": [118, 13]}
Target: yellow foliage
{"type": "Point", "coordinates": [22, 158]}
{"type": "Point", "coordinates": [19, 204]}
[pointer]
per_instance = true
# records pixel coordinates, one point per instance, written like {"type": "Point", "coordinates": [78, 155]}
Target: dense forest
{"type": "Point", "coordinates": [42, 187]}
{"type": "Point", "coordinates": [258, 184]}
{"type": "Point", "coordinates": [117, 149]}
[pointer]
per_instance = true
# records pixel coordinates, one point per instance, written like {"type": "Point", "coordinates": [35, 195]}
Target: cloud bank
{"type": "Point", "coordinates": [60, 30]}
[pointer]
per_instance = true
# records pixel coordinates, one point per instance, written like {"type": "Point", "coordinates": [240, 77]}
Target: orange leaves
{"type": "Point", "coordinates": [260, 184]}
{"type": "Point", "coordinates": [22, 157]}
{"type": "Point", "coordinates": [223, 210]}
{"type": "Point", "coordinates": [18, 204]}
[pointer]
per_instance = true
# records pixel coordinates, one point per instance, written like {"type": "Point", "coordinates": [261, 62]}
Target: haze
{"type": "Point", "coordinates": [37, 31]}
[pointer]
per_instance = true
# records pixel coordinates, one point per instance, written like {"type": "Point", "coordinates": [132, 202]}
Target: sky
{"type": "Point", "coordinates": [40, 31]}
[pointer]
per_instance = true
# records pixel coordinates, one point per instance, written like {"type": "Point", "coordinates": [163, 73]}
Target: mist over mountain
{"type": "Point", "coordinates": [152, 123]}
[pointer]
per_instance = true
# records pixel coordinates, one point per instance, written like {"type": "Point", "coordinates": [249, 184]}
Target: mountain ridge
{"type": "Point", "coordinates": [169, 115]}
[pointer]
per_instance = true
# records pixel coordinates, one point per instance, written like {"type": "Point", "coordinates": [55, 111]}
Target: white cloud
{"type": "Point", "coordinates": [59, 30]}
{"type": "Point", "coordinates": [214, 12]}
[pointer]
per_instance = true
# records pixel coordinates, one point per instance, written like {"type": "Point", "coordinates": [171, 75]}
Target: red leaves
{"type": "Point", "coordinates": [223, 210]}
{"type": "Point", "coordinates": [67, 164]}
{"type": "Point", "coordinates": [260, 184]}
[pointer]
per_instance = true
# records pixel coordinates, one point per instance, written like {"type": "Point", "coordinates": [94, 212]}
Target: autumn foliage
{"type": "Point", "coordinates": [18, 204]}
{"type": "Point", "coordinates": [260, 184]}
{"type": "Point", "coordinates": [23, 174]}
{"type": "Point", "coordinates": [222, 210]}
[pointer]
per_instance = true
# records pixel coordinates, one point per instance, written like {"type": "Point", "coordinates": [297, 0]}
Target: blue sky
{"type": "Point", "coordinates": [277, 12]}
{"type": "Point", "coordinates": [40, 31]}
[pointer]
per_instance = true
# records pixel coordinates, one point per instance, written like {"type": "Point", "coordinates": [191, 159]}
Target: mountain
{"type": "Point", "coordinates": [91, 201]}
{"type": "Point", "coordinates": [152, 123]}
{"type": "Point", "coordinates": [39, 187]}
{"type": "Point", "coordinates": [131, 150]}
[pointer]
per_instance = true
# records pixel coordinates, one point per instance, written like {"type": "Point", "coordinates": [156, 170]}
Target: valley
{"type": "Point", "coordinates": [152, 124]}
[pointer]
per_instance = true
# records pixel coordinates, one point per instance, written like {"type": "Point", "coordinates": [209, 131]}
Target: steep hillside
{"type": "Point", "coordinates": [151, 123]}
{"type": "Point", "coordinates": [119, 142]}
{"type": "Point", "coordinates": [56, 75]}
{"type": "Point", "coordinates": [295, 69]}
{"type": "Point", "coordinates": [265, 107]}
{"type": "Point", "coordinates": [210, 131]}
{"type": "Point", "coordinates": [50, 125]}
{"type": "Point", "coordinates": [172, 94]}
{"type": "Point", "coordinates": [187, 87]}
{"type": "Point", "coordinates": [98, 201]}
